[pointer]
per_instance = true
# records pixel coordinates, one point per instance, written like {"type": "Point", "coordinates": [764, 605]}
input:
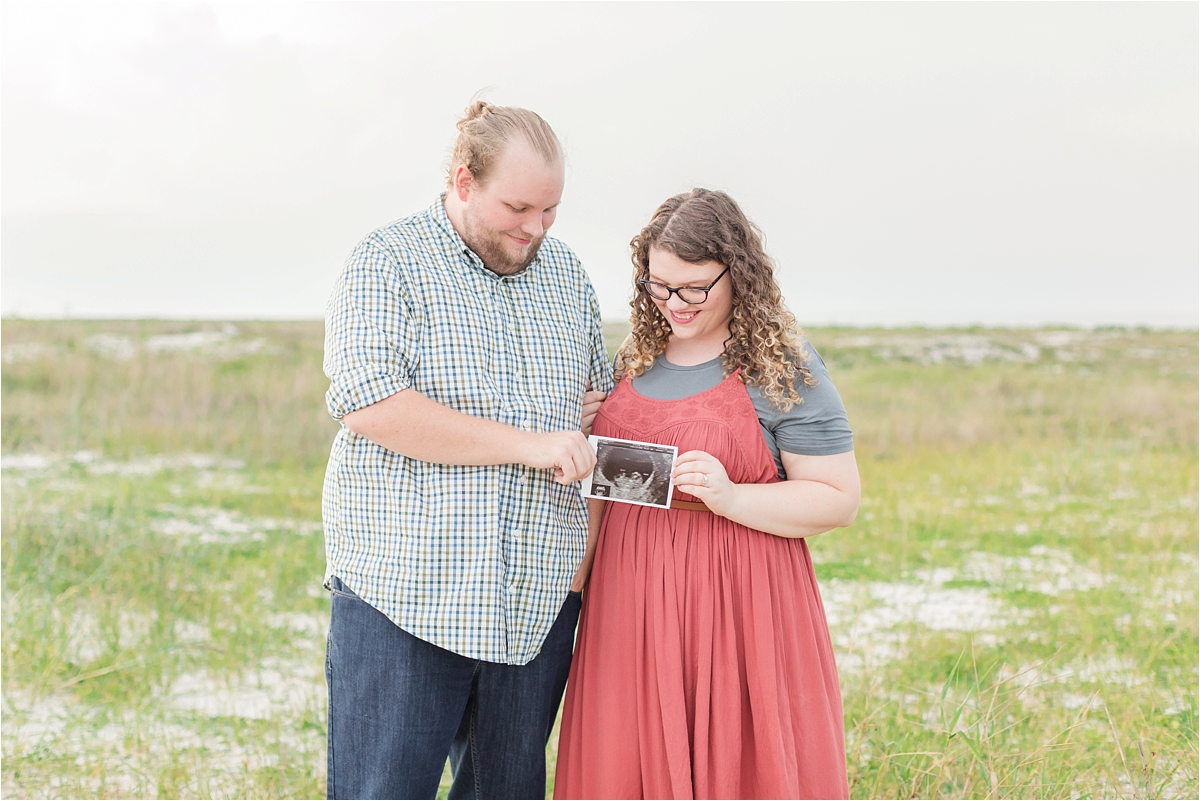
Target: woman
{"type": "Point", "coordinates": [703, 666]}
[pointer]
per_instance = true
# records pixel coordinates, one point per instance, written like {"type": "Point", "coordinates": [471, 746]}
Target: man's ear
{"type": "Point", "coordinates": [464, 182]}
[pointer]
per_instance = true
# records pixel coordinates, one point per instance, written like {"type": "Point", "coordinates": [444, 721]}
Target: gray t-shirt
{"type": "Point", "coordinates": [815, 427]}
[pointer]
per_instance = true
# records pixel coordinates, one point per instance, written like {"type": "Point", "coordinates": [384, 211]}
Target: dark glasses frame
{"type": "Point", "coordinates": [653, 288]}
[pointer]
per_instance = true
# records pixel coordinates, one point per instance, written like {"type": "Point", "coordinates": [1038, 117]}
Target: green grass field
{"type": "Point", "coordinates": [1014, 612]}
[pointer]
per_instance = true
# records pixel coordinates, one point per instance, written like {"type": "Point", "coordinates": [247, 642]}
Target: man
{"type": "Point", "coordinates": [459, 343]}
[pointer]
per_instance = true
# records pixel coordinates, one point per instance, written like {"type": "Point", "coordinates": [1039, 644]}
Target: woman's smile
{"type": "Point", "coordinates": [683, 317]}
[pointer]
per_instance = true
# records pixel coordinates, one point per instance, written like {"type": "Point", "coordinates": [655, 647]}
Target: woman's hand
{"type": "Point", "coordinates": [701, 474]}
{"type": "Point", "coordinates": [591, 404]}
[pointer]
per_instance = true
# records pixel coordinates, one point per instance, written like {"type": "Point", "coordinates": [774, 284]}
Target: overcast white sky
{"type": "Point", "coordinates": [938, 163]}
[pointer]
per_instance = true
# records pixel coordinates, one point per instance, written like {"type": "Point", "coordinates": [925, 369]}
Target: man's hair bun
{"type": "Point", "coordinates": [480, 108]}
{"type": "Point", "coordinates": [485, 130]}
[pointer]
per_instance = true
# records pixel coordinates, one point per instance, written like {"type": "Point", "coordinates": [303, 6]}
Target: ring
{"type": "Point", "coordinates": [705, 478]}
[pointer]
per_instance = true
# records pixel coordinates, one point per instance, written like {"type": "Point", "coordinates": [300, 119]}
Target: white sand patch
{"type": "Point", "coordinates": [1173, 593]}
{"type": "Point", "coordinates": [1044, 570]}
{"type": "Point", "coordinates": [1073, 700]}
{"type": "Point", "coordinates": [219, 526]}
{"type": "Point", "coordinates": [29, 352]}
{"type": "Point", "coordinates": [1183, 557]}
{"type": "Point", "coordinates": [1086, 683]}
{"type": "Point", "coordinates": [275, 689]}
{"type": "Point", "coordinates": [245, 347]}
{"type": "Point", "coordinates": [1029, 489]}
{"type": "Point", "coordinates": [188, 631]}
{"type": "Point", "coordinates": [222, 343]}
{"type": "Point", "coordinates": [1110, 669]}
{"type": "Point", "coordinates": [1074, 346]}
{"type": "Point", "coordinates": [206, 471]}
{"type": "Point", "coordinates": [122, 348]}
{"type": "Point", "coordinates": [972, 349]}
{"type": "Point", "coordinates": [1039, 687]}
{"type": "Point", "coordinates": [120, 755]}
{"type": "Point", "coordinates": [940, 609]}
{"type": "Point", "coordinates": [28, 462]}
{"type": "Point", "coordinates": [969, 349]}
{"type": "Point", "coordinates": [872, 622]}
{"type": "Point", "coordinates": [33, 722]}
{"type": "Point", "coordinates": [96, 465]}
{"type": "Point", "coordinates": [88, 638]}
{"type": "Point", "coordinates": [1060, 339]}
{"type": "Point", "coordinates": [229, 481]}
{"type": "Point", "coordinates": [314, 627]}
{"type": "Point", "coordinates": [1083, 354]}
{"type": "Point", "coordinates": [152, 465]}
{"type": "Point", "coordinates": [112, 346]}
{"type": "Point", "coordinates": [193, 340]}
{"type": "Point", "coordinates": [208, 525]}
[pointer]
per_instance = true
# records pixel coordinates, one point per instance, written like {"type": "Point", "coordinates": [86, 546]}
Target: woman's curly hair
{"type": "Point", "coordinates": [764, 339]}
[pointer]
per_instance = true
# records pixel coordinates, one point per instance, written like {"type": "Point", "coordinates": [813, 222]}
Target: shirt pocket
{"type": "Point", "coordinates": [459, 354]}
{"type": "Point", "coordinates": [556, 370]}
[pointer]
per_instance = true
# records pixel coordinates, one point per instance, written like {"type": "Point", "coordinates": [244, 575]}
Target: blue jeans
{"type": "Point", "coordinates": [399, 705]}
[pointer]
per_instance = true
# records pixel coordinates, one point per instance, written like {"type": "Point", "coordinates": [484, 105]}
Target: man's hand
{"type": "Point", "coordinates": [582, 575]}
{"type": "Point", "coordinates": [591, 405]}
{"type": "Point", "coordinates": [413, 425]}
{"type": "Point", "coordinates": [568, 452]}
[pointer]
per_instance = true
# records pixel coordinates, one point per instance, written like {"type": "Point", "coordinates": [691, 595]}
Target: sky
{"type": "Point", "coordinates": [947, 163]}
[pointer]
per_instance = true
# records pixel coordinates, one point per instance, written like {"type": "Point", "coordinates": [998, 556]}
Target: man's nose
{"type": "Point", "coordinates": [533, 226]}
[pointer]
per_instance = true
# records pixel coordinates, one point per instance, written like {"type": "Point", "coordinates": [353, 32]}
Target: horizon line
{"type": "Point", "coordinates": [1165, 326]}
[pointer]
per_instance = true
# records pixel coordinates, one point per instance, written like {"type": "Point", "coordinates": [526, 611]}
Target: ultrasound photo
{"type": "Point", "coordinates": [631, 472]}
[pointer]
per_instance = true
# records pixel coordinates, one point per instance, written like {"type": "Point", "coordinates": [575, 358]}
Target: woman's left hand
{"type": "Point", "coordinates": [701, 474]}
{"type": "Point", "coordinates": [592, 401]}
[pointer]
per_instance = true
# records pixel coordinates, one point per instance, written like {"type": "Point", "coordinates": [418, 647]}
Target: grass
{"type": "Point", "coordinates": [1014, 612]}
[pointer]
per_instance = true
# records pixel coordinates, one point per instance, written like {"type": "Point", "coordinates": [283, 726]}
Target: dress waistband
{"type": "Point", "coordinates": [691, 506]}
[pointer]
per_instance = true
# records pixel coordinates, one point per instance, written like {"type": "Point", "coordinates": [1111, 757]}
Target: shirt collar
{"type": "Point", "coordinates": [455, 246]}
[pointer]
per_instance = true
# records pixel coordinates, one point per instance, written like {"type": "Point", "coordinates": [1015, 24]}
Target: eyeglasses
{"type": "Point", "coordinates": [694, 295]}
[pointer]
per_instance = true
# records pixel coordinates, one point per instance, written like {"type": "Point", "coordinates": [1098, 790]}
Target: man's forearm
{"type": "Point", "coordinates": [420, 428]}
{"type": "Point", "coordinates": [413, 425]}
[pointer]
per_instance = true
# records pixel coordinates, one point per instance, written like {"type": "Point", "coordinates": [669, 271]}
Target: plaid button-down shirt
{"type": "Point", "coordinates": [477, 560]}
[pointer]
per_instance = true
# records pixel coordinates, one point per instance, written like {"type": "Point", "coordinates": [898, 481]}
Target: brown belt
{"type": "Point", "coordinates": [691, 506]}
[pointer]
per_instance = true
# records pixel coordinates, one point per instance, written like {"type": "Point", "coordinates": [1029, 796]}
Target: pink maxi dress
{"type": "Point", "coordinates": [703, 666]}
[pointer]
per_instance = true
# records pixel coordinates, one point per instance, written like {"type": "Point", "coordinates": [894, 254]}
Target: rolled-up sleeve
{"type": "Point", "coordinates": [371, 332]}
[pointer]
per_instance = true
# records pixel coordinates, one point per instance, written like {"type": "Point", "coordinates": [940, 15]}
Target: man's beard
{"type": "Point", "coordinates": [488, 246]}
